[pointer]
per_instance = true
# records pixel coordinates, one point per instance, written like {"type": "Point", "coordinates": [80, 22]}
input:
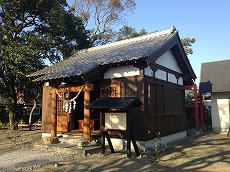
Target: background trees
{"type": "Point", "coordinates": [102, 15]}
{"type": "Point", "coordinates": [128, 32]}
{"type": "Point", "coordinates": [33, 33]}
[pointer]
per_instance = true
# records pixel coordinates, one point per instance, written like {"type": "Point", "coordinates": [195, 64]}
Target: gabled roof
{"type": "Point", "coordinates": [148, 47]}
{"type": "Point", "coordinates": [115, 103]}
{"type": "Point", "coordinates": [218, 73]}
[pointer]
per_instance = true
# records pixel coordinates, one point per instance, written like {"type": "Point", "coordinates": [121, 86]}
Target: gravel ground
{"type": "Point", "coordinates": [16, 153]}
{"type": "Point", "coordinates": [209, 152]}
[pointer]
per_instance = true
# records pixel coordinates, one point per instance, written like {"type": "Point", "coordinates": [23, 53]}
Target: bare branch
{"type": "Point", "coordinates": [102, 13]}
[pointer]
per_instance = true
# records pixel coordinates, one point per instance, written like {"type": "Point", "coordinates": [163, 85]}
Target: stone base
{"type": "Point", "coordinates": [50, 140]}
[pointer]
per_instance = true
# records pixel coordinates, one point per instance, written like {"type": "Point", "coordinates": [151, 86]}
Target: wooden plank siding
{"type": "Point", "coordinates": [163, 110]}
{"type": "Point", "coordinates": [166, 106]}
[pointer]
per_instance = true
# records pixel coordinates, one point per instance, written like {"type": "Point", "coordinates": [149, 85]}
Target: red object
{"type": "Point", "coordinates": [194, 89]}
{"type": "Point", "coordinates": [201, 111]}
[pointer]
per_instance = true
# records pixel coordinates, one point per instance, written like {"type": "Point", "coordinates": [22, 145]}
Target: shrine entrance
{"type": "Point", "coordinates": [69, 115]}
{"type": "Point", "coordinates": [67, 109]}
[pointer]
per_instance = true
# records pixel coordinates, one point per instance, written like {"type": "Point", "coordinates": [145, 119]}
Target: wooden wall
{"type": "Point", "coordinates": [163, 110]}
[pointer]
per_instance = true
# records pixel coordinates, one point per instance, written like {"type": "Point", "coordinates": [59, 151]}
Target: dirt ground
{"type": "Point", "coordinates": [208, 152]}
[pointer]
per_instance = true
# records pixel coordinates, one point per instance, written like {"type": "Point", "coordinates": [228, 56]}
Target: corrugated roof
{"type": "Point", "coordinates": [218, 73]}
{"type": "Point", "coordinates": [86, 60]}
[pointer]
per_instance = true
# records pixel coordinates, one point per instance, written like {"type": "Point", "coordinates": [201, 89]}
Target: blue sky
{"type": "Point", "coordinates": [206, 20]}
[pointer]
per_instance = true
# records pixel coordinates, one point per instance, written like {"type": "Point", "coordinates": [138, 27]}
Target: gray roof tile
{"type": "Point", "coordinates": [88, 59]}
{"type": "Point", "coordinates": [218, 73]}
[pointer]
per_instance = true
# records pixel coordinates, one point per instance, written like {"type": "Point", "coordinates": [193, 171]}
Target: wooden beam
{"type": "Point", "coordinates": [53, 131]}
{"type": "Point", "coordinates": [134, 144]}
{"type": "Point", "coordinates": [109, 141]}
{"type": "Point", "coordinates": [102, 133]}
{"type": "Point", "coordinates": [74, 88]}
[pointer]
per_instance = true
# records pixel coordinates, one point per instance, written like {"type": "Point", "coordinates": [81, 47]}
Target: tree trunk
{"type": "Point", "coordinates": [12, 116]}
{"type": "Point", "coordinates": [31, 113]}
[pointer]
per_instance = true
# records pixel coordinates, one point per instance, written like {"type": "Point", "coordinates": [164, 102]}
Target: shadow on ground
{"type": "Point", "coordinates": [209, 152]}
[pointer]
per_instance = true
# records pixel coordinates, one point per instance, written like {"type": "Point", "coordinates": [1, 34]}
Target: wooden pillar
{"type": "Point", "coordinates": [103, 132]}
{"type": "Point", "coordinates": [201, 111]}
{"type": "Point", "coordinates": [86, 131]}
{"type": "Point", "coordinates": [196, 106]}
{"type": "Point", "coordinates": [54, 114]}
{"type": "Point", "coordinates": [128, 128]}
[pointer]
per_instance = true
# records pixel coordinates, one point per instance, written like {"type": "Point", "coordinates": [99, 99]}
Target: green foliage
{"type": "Point", "coordinates": [21, 121]}
{"type": "Point", "coordinates": [159, 149]}
{"type": "Point", "coordinates": [128, 32]}
{"type": "Point", "coordinates": [4, 125]}
{"type": "Point", "coordinates": [187, 44]}
{"type": "Point", "coordinates": [189, 95]}
{"type": "Point", "coordinates": [32, 32]}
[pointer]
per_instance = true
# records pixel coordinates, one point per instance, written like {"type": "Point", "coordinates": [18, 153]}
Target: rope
{"type": "Point", "coordinates": [71, 100]}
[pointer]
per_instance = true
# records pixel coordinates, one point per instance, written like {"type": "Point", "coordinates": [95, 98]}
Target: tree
{"type": "Point", "coordinates": [128, 32]}
{"type": "Point", "coordinates": [32, 31]}
{"type": "Point", "coordinates": [189, 95]}
{"type": "Point", "coordinates": [187, 44]}
{"type": "Point", "coordinates": [102, 15]}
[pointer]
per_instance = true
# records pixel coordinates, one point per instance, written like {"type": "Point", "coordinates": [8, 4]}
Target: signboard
{"type": "Point", "coordinates": [205, 87]}
{"type": "Point", "coordinates": [116, 121]}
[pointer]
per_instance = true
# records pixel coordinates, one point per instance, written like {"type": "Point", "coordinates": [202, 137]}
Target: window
{"type": "Point", "coordinates": [60, 109]}
{"type": "Point", "coordinates": [112, 90]}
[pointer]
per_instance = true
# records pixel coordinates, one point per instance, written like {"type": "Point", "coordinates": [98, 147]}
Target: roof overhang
{"type": "Point", "coordinates": [177, 49]}
{"type": "Point", "coordinates": [122, 103]}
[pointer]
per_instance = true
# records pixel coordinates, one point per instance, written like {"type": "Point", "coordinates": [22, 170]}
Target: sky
{"type": "Point", "coordinates": [206, 20]}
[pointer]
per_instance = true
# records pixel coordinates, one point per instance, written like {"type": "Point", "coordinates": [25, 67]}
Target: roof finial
{"type": "Point", "coordinates": [173, 29]}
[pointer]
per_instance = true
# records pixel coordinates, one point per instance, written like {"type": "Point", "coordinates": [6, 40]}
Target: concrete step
{"type": "Point", "coordinates": [67, 148]}
{"type": "Point", "coordinates": [78, 141]}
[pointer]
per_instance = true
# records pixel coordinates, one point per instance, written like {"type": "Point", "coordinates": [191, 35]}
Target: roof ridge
{"type": "Point", "coordinates": [217, 61]}
{"type": "Point", "coordinates": [156, 33]}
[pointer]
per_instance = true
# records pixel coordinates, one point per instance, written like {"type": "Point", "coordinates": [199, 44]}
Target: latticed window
{"type": "Point", "coordinates": [60, 110]}
{"type": "Point", "coordinates": [112, 90]}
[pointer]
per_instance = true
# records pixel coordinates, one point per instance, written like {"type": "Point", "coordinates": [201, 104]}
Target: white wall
{"type": "Point", "coordinates": [123, 71]}
{"type": "Point", "coordinates": [220, 112]}
{"type": "Point", "coordinates": [167, 60]}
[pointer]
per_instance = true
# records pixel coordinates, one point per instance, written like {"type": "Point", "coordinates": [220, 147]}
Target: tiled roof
{"type": "Point", "coordinates": [218, 73]}
{"type": "Point", "coordinates": [86, 60]}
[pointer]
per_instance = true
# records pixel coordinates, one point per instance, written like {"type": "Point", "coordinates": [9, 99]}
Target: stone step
{"type": "Point", "coordinates": [78, 141]}
{"type": "Point", "coordinates": [67, 148]}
